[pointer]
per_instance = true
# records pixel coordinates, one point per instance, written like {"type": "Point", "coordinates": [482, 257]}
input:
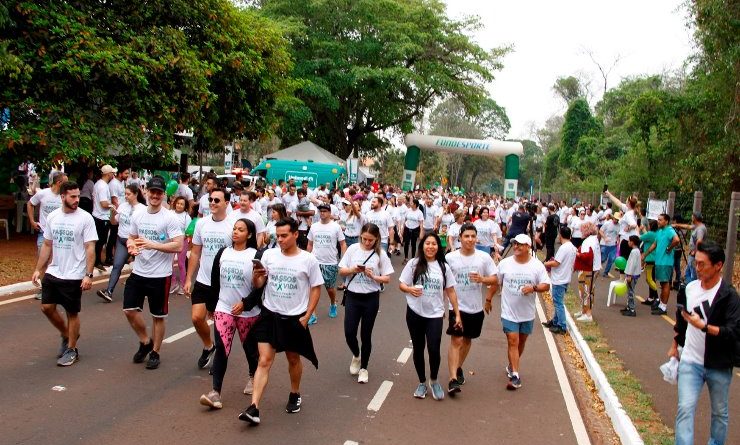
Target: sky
{"type": "Point", "coordinates": [551, 39]}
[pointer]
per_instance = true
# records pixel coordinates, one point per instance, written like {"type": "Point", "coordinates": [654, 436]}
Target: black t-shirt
{"type": "Point", "coordinates": [519, 222]}
{"type": "Point", "coordinates": [551, 224]}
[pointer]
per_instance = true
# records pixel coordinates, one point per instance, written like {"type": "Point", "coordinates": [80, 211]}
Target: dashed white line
{"type": "Point", "coordinates": [350, 442]}
{"type": "Point", "coordinates": [182, 334]}
{"type": "Point", "coordinates": [405, 354]}
{"type": "Point", "coordinates": [380, 396]}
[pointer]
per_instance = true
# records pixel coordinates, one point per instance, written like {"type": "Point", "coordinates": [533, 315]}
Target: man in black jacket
{"type": "Point", "coordinates": [708, 328]}
{"type": "Point", "coordinates": [552, 226]}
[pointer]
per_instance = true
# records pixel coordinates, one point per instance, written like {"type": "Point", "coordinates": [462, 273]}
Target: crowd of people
{"type": "Point", "coordinates": [254, 258]}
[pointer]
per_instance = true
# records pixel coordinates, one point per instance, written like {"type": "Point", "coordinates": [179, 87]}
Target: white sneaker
{"type": "Point", "coordinates": [362, 378]}
{"type": "Point", "coordinates": [577, 314]}
{"type": "Point", "coordinates": [354, 366]}
{"type": "Point", "coordinates": [174, 288]}
{"type": "Point", "coordinates": [250, 386]}
{"type": "Point", "coordinates": [585, 318]}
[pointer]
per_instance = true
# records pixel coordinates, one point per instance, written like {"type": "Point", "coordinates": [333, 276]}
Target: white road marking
{"type": "Point", "coordinates": [405, 354]}
{"type": "Point", "coordinates": [182, 334]}
{"type": "Point", "coordinates": [350, 442]}
{"type": "Point", "coordinates": [579, 429]}
{"type": "Point", "coordinates": [33, 295]}
{"type": "Point", "coordinates": [380, 396]}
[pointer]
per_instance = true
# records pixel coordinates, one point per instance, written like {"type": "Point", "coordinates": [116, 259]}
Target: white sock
{"type": "Point", "coordinates": [662, 306]}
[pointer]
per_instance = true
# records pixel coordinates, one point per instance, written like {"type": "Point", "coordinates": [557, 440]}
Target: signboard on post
{"type": "Point", "coordinates": [228, 157]}
{"type": "Point", "coordinates": [655, 208]}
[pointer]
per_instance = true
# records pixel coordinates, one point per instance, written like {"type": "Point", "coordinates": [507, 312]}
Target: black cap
{"type": "Point", "coordinates": [323, 207]}
{"type": "Point", "coordinates": [156, 183]}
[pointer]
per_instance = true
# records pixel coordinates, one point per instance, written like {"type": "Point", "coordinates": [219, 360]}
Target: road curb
{"type": "Point", "coordinates": [621, 422]}
{"type": "Point", "coordinates": [27, 286]}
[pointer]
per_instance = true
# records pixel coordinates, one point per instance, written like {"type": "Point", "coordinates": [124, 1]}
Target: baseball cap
{"type": "Point", "coordinates": [345, 202]}
{"type": "Point", "coordinates": [108, 169]}
{"type": "Point", "coordinates": [618, 216]}
{"type": "Point", "coordinates": [523, 239]}
{"type": "Point", "coordinates": [156, 183]}
{"type": "Point", "coordinates": [323, 207]}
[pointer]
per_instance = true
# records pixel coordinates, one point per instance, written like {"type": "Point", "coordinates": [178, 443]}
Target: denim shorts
{"type": "Point", "coordinates": [524, 327]}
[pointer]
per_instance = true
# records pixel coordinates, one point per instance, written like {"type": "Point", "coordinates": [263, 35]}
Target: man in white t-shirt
{"type": "Point", "coordinates": [204, 208]}
{"type": "Point", "coordinates": [521, 276]}
{"type": "Point", "coordinates": [473, 269]}
{"type": "Point", "coordinates": [102, 206]}
{"type": "Point", "coordinates": [155, 236]}
{"type": "Point", "coordinates": [117, 187]}
{"type": "Point", "coordinates": [211, 233]}
{"type": "Point", "coordinates": [246, 210]}
{"type": "Point", "coordinates": [560, 275]}
{"type": "Point", "coordinates": [47, 200]}
{"type": "Point", "coordinates": [69, 242]}
{"type": "Point", "coordinates": [292, 281]}
{"type": "Point", "coordinates": [184, 190]}
{"type": "Point", "coordinates": [382, 219]}
{"type": "Point", "coordinates": [323, 238]}
{"type": "Point", "coordinates": [291, 197]}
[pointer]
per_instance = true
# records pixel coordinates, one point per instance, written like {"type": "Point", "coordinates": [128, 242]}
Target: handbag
{"type": "Point", "coordinates": [346, 286]}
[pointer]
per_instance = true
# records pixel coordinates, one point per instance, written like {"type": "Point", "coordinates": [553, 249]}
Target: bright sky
{"type": "Point", "coordinates": [551, 38]}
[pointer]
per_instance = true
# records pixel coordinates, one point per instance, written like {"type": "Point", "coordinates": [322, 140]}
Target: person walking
{"type": "Point", "coordinates": [698, 233]}
{"type": "Point", "coordinates": [69, 251]}
{"type": "Point", "coordinates": [117, 188]}
{"type": "Point", "coordinates": [561, 273]}
{"type": "Point", "coordinates": [551, 230]}
{"type": "Point", "coordinates": [412, 229]}
{"type": "Point", "coordinates": [426, 280]}
{"type": "Point", "coordinates": [665, 240]}
{"type": "Point", "coordinates": [632, 274]}
{"type": "Point", "coordinates": [323, 239]}
{"type": "Point", "coordinates": [588, 263]}
{"type": "Point", "coordinates": [648, 239]}
{"type": "Point", "coordinates": [102, 206]}
{"type": "Point", "coordinates": [708, 328]}
{"type": "Point", "coordinates": [609, 232]}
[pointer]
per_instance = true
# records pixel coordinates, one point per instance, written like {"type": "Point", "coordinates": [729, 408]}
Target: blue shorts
{"type": "Point", "coordinates": [524, 327]}
{"type": "Point", "coordinates": [329, 273]}
{"type": "Point", "coordinates": [663, 274]}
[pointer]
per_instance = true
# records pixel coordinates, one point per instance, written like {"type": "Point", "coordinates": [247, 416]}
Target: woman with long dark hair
{"type": "Point", "coordinates": [412, 229]}
{"type": "Point", "coordinates": [366, 267]}
{"type": "Point", "coordinates": [426, 280]}
{"type": "Point", "coordinates": [278, 212]}
{"type": "Point", "coordinates": [231, 280]}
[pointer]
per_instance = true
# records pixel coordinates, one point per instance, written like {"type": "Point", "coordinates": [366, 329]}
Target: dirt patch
{"type": "Point", "coordinates": [17, 259]}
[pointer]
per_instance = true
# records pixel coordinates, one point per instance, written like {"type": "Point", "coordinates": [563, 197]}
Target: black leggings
{"type": "Point", "coordinates": [425, 330]}
{"type": "Point", "coordinates": [360, 308]}
{"type": "Point", "coordinates": [221, 360]}
{"type": "Point", "coordinates": [410, 236]}
{"type": "Point", "coordinates": [101, 226]}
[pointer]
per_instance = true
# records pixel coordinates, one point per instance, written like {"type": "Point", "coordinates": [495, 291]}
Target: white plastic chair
{"type": "Point", "coordinates": [611, 296]}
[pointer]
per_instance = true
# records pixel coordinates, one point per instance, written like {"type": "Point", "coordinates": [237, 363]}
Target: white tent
{"type": "Point", "coordinates": [306, 151]}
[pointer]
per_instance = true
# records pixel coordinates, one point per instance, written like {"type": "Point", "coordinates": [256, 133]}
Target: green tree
{"type": "Point", "coordinates": [578, 122]}
{"type": "Point", "coordinates": [569, 89]}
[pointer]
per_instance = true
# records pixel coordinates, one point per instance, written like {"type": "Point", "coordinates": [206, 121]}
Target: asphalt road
{"type": "Point", "coordinates": [108, 399]}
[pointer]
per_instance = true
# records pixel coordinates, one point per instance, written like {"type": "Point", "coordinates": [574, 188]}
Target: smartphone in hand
{"type": "Point", "coordinates": [257, 264]}
{"type": "Point", "coordinates": [606, 187]}
{"type": "Point", "coordinates": [682, 308]}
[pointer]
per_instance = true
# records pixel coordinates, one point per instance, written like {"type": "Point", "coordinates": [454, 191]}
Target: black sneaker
{"type": "Point", "coordinates": [100, 267]}
{"type": "Point", "coordinates": [514, 383]}
{"type": "Point", "coordinates": [69, 357]}
{"type": "Point", "coordinates": [294, 403]}
{"type": "Point", "coordinates": [206, 357]}
{"type": "Point", "coordinates": [460, 376]}
{"type": "Point", "coordinates": [557, 330]}
{"type": "Point", "coordinates": [105, 295]}
{"type": "Point", "coordinates": [657, 311]}
{"type": "Point", "coordinates": [153, 362]}
{"type": "Point", "coordinates": [453, 387]}
{"type": "Point", "coordinates": [63, 347]}
{"type": "Point", "coordinates": [251, 415]}
{"type": "Point", "coordinates": [648, 302]}
{"type": "Point", "coordinates": [144, 350]}
{"type": "Point", "coordinates": [547, 323]}
{"type": "Point", "coordinates": [628, 312]}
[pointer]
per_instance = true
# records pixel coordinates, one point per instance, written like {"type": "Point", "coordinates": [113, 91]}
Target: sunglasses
{"type": "Point", "coordinates": [214, 200]}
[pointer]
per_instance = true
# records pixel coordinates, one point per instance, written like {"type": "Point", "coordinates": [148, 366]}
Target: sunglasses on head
{"type": "Point", "coordinates": [214, 200]}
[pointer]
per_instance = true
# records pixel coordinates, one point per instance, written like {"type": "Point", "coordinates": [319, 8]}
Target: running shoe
{"type": "Point", "coordinates": [332, 311]}
{"type": "Point", "coordinates": [557, 330]}
{"type": "Point", "coordinates": [363, 377]}
{"type": "Point", "coordinates": [648, 302]}
{"type": "Point", "coordinates": [437, 391]}
{"type": "Point", "coordinates": [69, 357]}
{"type": "Point", "coordinates": [453, 387]}
{"type": "Point", "coordinates": [585, 318]}
{"type": "Point", "coordinates": [251, 415]}
{"type": "Point", "coordinates": [153, 362]}
{"type": "Point", "coordinates": [628, 312]}
{"type": "Point", "coordinates": [175, 288]}
{"type": "Point", "coordinates": [577, 314]}
{"type": "Point", "coordinates": [547, 323]}
{"type": "Point", "coordinates": [313, 319]}
{"type": "Point", "coordinates": [658, 311]}
{"type": "Point", "coordinates": [249, 389]}
{"type": "Point", "coordinates": [514, 383]}
{"type": "Point", "coordinates": [212, 399]}
{"type": "Point", "coordinates": [63, 347]}
{"type": "Point", "coordinates": [354, 366]}
{"type": "Point", "coordinates": [508, 371]}
{"type": "Point", "coordinates": [206, 357]}
{"type": "Point", "coordinates": [105, 295]}
{"type": "Point", "coordinates": [294, 403]}
{"type": "Point", "coordinates": [144, 350]}
{"type": "Point", "coordinates": [421, 391]}
{"type": "Point", "coordinates": [38, 296]}
{"type": "Point", "coordinates": [460, 376]}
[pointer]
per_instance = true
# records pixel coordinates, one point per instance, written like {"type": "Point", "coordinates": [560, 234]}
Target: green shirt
{"type": "Point", "coordinates": [648, 238]}
{"type": "Point", "coordinates": [663, 239]}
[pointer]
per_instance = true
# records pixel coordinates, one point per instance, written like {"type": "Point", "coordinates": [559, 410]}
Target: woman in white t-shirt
{"type": "Point", "coordinates": [278, 212]}
{"type": "Point", "coordinates": [488, 231]}
{"type": "Point", "coordinates": [453, 233]}
{"type": "Point", "coordinates": [588, 263]}
{"type": "Point", "coordinates": [412, 229]}
{"type": "Point", "coordinates": [367, 267]}
{"type": "Point", "coordinates": [392, 209]}
{"type": "Point", "coordinates": [628, 224]}
{"type": "Point", "coordinates": [231, 279]}
{"type": "Point", "coordinates": [351, 221]}
{"type": "Point", "coordinates": [426, 280]}
{"type": "Point", "coordinates": [447, 218]}
{"type": "Point", "coordinates": [181, 206]}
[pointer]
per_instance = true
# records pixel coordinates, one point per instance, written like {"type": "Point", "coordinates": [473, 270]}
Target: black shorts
{"type": "Point", "coordinates": [66, 293]}
{"type": "Point", "coordinates": [157, 290]}
{"type": "Point", "coordinates": [285, 333]}
{"type": "Point", "coordinates": [472, 324]}
{"type": "Point", "coordinates": [201, 294]}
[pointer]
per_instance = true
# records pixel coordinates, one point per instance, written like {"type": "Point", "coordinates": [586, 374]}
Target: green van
{"type": "Point", "coordinates": [315, 173]}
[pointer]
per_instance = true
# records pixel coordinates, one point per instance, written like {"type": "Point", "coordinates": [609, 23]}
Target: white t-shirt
{"type": "Point", "coordinates": [516, 306]}
{"type": "Point", "coordinates": [160, 227]}
{"type": "Point", "coordinates": [117, 190]}
{"type": "Point", "coordinates": [353, 224]}
{"type": "Point", "coordinates": [566, 256]}
{"type": "Point", "coordinates": [212, 235]}
{"type": "Point", "coordinates": [454, 232]}
{"type": "Point", "coordinates": [430, 216]}
{"type": "Point", "coordinates": [414, 218]}
{"type": "Point", "coordinates": [575, 224]}
{"type": "Point", "coordinates": [401, 212]}
{"type": "Point", "coordinates": [184, 191]}
{"type": "Point", "coordinates": [272, 231]}
{"type": "Point", "coordinates": [469, 293]}
{"type": "Point", "coordinates": [381, 265]}
{"type": "Point", "coordinates": [183, 219]}
{"type": "Point", "coordinates": [289, 282]}
{"type": "Point", "coordinates": [235, 270]}
{"type": "Point", "coordinates": [628, 219]}
{"type": "Point", "coordinates": [695, 344]}
{"type": "Point", "coordinates": [610, 230]}
{"type": "Point", "coordinates": [593, 242]}
{"type": "Point", "coordinates": [101, 192]}
{"type": "Point", "coordinates": [431, 302]}
{"type": "Point", "coordinates": [447, 219]}
{"type": "Point", "coordinates": [252, 215]}
{"type": "Point", "coordinates": [383, 220]}
{"type": "Point", "coordinates": [124, 214]}
{"type": "Point", "coordinates": [87, 189]}
{"type": "Point", "coordinates": [68, 233]}
{"type": "Point", "coordinates": [289, 199]}
{"type": "Point", "coordinates": [325, 238]}
{"type": "Point", "coordinates": [486, 231]}
{"type": "Point", "coordinates": [47, 202]}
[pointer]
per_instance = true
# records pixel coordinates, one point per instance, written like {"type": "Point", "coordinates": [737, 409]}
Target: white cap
{"type": "Point", "coordinates": [108, 169]}
{"type": "Point", "coordinates": [523, 239]}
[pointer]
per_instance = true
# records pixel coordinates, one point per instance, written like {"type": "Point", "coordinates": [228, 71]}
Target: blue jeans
{"type": "Point", "coordinates": [691, 378]}
{"type": "Point", "coordinates": [483, 248]}
{"type": "Point", "coordinates": [39, 241]}
{"type": "Point", "coordinates": [351, 240]}
{"type": "Point", "coordinates": [608, 254]}
{"type": "Point", "coordinates": [690, 269]}
{"type": "Point", "coordinates": [119, 260]}
{"type": "Point", "coordinates": [558, 298]}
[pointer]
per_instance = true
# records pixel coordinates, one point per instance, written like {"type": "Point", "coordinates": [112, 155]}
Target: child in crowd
{"type": "Point", "coordinates": [632, 274]}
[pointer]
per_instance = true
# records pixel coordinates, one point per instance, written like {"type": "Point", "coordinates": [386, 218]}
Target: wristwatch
{"type": "Point", "coordinates": [704, 329]}
{"type": "Point", "coordinates": [89, 275]}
